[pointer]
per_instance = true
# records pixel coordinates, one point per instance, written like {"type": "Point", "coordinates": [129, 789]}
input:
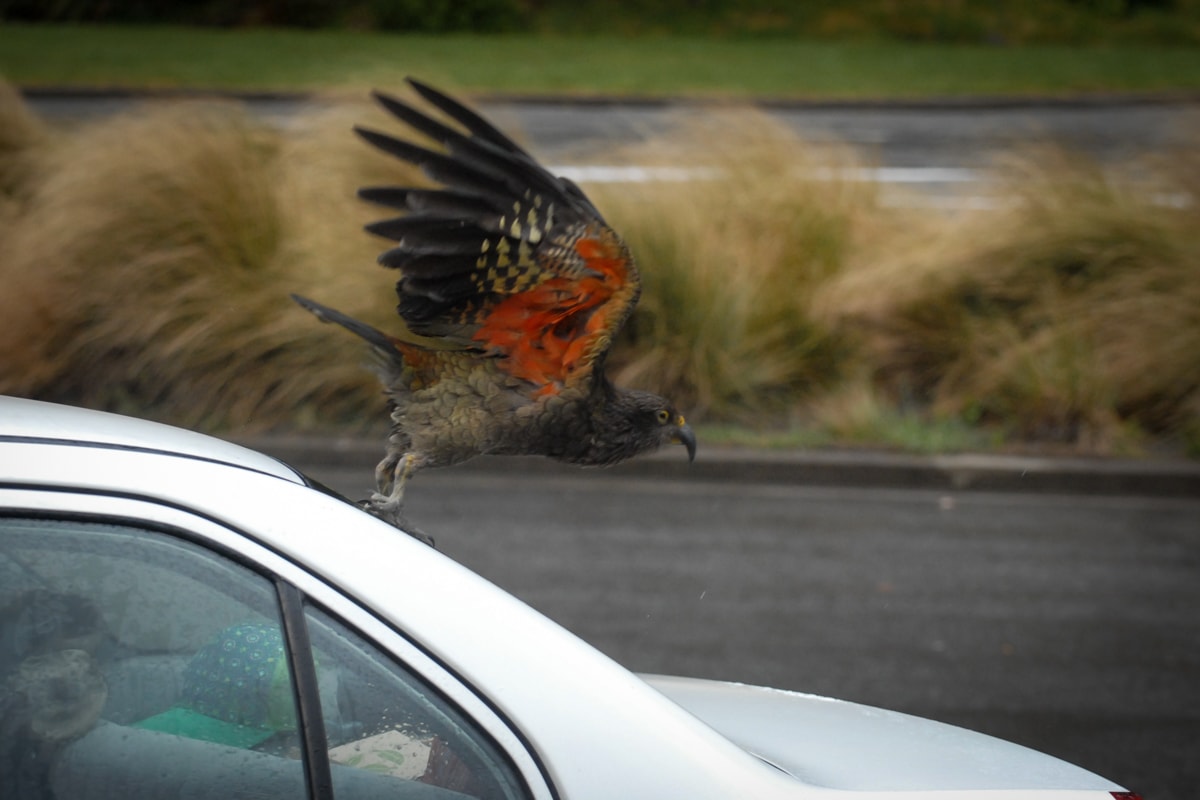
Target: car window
{"type": "Point", "coordinates": [386, 721]}
{"type": "Point", "coordinates": [136, 664]}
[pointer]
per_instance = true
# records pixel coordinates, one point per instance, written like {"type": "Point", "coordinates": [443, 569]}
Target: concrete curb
{"type": "Point", "coordinates": [850, 468]}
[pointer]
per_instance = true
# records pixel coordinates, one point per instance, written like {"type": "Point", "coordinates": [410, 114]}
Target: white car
{"type": "Point", "coordinates": [184, 618]}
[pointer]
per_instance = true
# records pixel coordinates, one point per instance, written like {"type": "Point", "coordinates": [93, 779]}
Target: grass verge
{"type": "Point", "coordinates": [166, 57]}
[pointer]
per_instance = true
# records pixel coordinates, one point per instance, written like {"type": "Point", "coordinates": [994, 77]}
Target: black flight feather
{"type": "Point", "coordinates": [467, 118]}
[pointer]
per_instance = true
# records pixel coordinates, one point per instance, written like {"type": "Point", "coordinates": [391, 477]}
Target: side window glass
{"type": "Point", "coordinates": [385, 725]}
{"type": "Point", "coordinates": [137, 665]}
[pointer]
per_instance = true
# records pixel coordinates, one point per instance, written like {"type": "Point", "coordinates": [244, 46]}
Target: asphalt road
{"type": "Point", "coordinates": [934, 147]}
{"type": "Point", "coordinates": [938, 134]}
{"type": "Point", "coordinates": [1066, 623]}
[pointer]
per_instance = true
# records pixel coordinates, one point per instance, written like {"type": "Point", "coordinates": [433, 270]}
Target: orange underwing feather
{"type": "Point", "coordinates": [553, 333]}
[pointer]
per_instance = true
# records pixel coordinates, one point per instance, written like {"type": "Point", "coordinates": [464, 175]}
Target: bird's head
{"type": "Point", "coordinates": [638, 422]}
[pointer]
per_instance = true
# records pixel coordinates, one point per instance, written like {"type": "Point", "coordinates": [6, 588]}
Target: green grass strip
{"type": "Point", "coordinates": [264, 59]}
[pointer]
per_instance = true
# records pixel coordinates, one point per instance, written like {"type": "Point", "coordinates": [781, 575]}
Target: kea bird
{"type": "Point", "coordinates": [512, 288]}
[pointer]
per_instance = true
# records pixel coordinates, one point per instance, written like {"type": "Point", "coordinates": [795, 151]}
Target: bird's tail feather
{"type": "Point", "coordinates": [374, 336]}
{"type": "Point", "coordinates": [382, 342]}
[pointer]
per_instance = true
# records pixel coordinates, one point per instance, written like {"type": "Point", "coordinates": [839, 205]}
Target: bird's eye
{"type": "Point", "coordinates": [664, 416]}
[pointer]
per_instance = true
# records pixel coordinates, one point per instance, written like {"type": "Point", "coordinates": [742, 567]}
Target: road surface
{"type": "Point", "coordinates": [933, 148]}
{"type": "Point", "coordinates": [1066, 623]}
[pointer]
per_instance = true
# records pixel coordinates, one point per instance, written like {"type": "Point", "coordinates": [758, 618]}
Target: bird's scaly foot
{"type": "Point", "coordinates": [391, 476]}
{"type": "Point", "coordinates": [378, 506]}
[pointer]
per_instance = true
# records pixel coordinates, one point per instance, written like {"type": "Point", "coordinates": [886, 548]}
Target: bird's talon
{"type": "Point", "coordinates": [379, 507]}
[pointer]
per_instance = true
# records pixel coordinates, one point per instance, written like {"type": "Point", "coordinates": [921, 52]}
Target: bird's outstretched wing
{"type": "Point", "coordinates": [504, 257]}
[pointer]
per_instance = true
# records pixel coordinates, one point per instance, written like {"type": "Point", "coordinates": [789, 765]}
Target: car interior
{"type": "Point", "coordinates": [137, 663]}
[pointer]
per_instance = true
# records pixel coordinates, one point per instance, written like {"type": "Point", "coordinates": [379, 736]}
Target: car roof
{"type": "Point", "coordinates": [34, 420]}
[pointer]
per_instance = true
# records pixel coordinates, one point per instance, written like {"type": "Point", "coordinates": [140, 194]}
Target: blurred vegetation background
{"type": "Point", "coordinates": [147, 257]}
{"type": "Point", "coordinates": [968, 21]}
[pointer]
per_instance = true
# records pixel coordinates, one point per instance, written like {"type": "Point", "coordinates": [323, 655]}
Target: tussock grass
{"type": "Point", "coordinates": [154, 259]}
{"type": "Point", "coordinates": [22, 136]}
{"type": "Point", "coordinates": [147, 260]}
{"type": "Point", "coordinates": [730, 262]}
{"type": "Point", "coordinates": [1070, 317]}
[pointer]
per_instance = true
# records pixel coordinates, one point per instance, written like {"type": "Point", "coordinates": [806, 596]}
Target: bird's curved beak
{"type": "Point", "coordinates": [684, 436]}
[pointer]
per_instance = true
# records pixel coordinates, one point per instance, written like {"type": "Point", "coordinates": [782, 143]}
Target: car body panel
{"type": "Point", "coordinates": [592, 728]}
{"type": "Point", "coordinates": [845, 745]}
